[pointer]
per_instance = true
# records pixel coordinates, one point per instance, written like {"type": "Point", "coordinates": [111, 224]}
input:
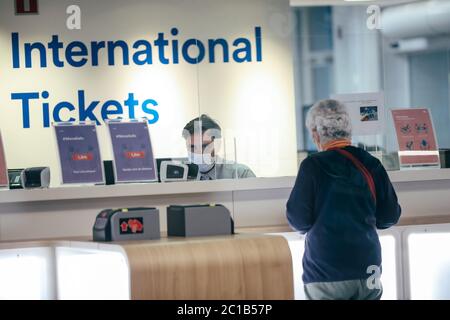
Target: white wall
{"type": "Point", "coordinates": [253, 101]}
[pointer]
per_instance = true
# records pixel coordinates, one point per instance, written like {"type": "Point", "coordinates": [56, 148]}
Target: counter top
{"type": "Point", "coordinates": [190, 187]}
{"type": "Point", "coordinates": [142, 189]}
{"type": "Point", "coordinates": [88, 244]}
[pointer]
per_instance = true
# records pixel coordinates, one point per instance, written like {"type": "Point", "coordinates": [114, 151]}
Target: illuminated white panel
{"type": "Point", "coordinates": [429, 265]}
{"type": "Point", "coordinates": [389, 264]}
{"type": "Point", "coordinates": [388, 278]}
{"type": "Point", "coordinates": [92, 275]}
{"type": "Point", "coordinates": [26, 274]}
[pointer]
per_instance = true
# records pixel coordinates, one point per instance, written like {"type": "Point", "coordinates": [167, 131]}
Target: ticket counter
{"type": "Point", "coordinates": [247, 266]}
{"type": "Point", "coordinates": [72, 267]}
{"type": "Point", "coordinates": [254, 203]}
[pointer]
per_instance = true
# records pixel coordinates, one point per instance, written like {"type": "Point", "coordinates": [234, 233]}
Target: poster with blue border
{"type": "Point", "coordinates": [79, 154]}
{"type": "Point", "coordinates": [134, 159]}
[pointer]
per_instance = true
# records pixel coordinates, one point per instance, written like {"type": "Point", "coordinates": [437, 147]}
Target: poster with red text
{"type": "Point", "coordinates": [416, 137]}
{"type": "Point", "coordinates": [4, 180]}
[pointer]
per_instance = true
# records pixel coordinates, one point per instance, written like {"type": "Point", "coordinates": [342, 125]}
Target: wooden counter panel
{"type": "Point", "coordinates": [236, 267]}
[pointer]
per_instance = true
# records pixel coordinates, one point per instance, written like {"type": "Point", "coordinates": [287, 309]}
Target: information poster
{"type": "Point", "coordinates": [416, 137]}
{"type": "Point", "coordinates": [366, 111]}
{"type": "Point", "coordinates": [133, 154]}
{"type": "Point", "coordinates": [79, 154]}
{"type": "Point", "coordinates": [4, 180]}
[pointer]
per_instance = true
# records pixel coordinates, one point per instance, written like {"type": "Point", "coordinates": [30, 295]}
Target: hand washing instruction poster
{"type": "Point", "coordinates": [4, 180]}
{"type": "Point", "coordinates": [416, 137]}
{"type": "Point", "coordinates": [79, 154]}
{"type": "Point", "coordinates": [133, 154]}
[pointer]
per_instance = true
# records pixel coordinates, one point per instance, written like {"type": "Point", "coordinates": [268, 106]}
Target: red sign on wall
{"type": "Point", "coordinates": [26, 6]}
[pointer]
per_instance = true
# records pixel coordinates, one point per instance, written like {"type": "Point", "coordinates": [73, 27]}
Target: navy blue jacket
{"type": "Point", "coordinates": [331, 203]}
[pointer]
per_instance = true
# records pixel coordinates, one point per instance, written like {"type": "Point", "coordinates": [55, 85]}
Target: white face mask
{"type": "Point", "coordinates": [205, 162]}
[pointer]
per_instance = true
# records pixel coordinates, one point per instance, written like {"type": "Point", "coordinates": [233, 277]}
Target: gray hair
{"type": "Point", "coordinates": [330, 119]}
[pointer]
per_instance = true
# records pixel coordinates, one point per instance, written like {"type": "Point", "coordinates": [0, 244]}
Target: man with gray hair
{"type": "Point", "coordinates": [328, 121]}
{"type": "Point", "coordinates": [342, 195]}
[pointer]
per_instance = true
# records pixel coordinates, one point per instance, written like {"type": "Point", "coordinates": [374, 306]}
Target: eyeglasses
{"type": "Point", "coordinates": [204, 146]}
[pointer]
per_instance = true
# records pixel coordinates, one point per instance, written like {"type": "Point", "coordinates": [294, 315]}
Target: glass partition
{"type": "Point", "coordinates": [255, 67]}
{"type": "Point", "coordinates": [249, 90]}
{"type": "Point", "coordinates": [112, 66]}
{"type": "Point", "coordinates": [366, 48]}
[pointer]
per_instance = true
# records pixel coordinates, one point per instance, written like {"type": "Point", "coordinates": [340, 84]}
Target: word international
{"type": "Point", "coordinates": [164, 49]}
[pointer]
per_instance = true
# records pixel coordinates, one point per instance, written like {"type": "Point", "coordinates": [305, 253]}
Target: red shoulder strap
{"type": "Point", "coordinates": [363, 170]}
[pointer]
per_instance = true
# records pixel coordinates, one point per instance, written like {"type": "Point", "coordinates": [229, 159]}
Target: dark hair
{"type": "Point", "coordinates": [206, 123]}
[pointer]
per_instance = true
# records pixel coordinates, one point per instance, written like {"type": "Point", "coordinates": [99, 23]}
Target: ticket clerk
{"type": "Point", "coordinates": [202, 136]}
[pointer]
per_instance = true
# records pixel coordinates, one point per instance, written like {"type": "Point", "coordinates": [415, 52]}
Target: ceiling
{"type": "Point", "coordinates": [300, 3]}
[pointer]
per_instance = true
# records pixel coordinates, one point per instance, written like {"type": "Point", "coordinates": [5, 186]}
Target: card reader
{"type": "Point", "coordinates": [127, 224]}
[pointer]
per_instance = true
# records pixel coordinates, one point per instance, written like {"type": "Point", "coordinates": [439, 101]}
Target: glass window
{"type": "Point", "coordinates": [252, 95]}
{"type": "Point", "coordinates": [337, 53]}
{"type": "Point", "coordinates": [429, 79]}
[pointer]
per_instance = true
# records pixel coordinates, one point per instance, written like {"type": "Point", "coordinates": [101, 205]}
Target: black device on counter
{"type": "Point", "coordinates": [127, 224]}
{"type": "Point", "coordinates": [193, 171]}
{"type": "Point", "coordinates": [15, 180]}
{"type": "Point", "coordinates": [108, 168]}
{"type": "Point", "coordinates": [36, 177]}
{"type": "Point", "coordinates": [445, 158]}
{"type": "Point", "coordinates": [173, 172]}
{"type": "Point", "coordinates": [199, 220]}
